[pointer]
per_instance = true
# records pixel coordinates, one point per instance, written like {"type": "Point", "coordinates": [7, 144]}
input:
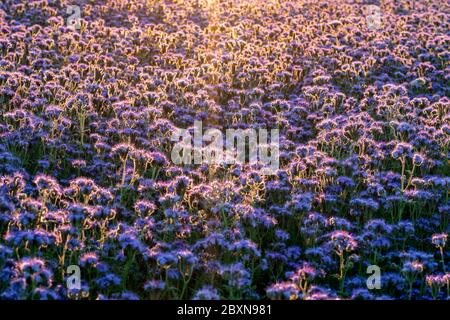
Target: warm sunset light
{"type": "Point", "coordinates": [224, 150]}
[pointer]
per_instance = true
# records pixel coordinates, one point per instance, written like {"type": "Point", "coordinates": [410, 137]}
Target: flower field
{"type": "Point", "coordinates": [93, 207]}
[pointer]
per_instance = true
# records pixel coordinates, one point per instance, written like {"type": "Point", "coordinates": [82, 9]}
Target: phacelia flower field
{"type": "Point", "coordinates": [358, 208]}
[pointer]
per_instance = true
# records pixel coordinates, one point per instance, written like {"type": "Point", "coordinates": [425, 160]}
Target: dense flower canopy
{"type": "Point", "coordinates": [86, 177]}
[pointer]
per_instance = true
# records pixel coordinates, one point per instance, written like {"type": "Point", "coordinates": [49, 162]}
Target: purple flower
{"type": "Point", "coordinates": [207, 292]}
{"type": "Point", "coordinates": [153, 285]}
{"type": "Point", "coordinates": [88, 259]}
{"type": "Point", "coordinates": [144, 207]}
{"type": "Point", "coordinates": [439, 240]}
{"type": "Point", "coordinates": [283, 291]}
{"type": "Point", "coordinates": [418, 159]}
{"type": "Point", "coordinates": [343, 241]}
{"type": "Point", "coordinates": [412, 267]}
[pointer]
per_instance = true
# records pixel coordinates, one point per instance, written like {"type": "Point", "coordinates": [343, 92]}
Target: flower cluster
{"type": "Point", "coordinates": [86, 120]}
